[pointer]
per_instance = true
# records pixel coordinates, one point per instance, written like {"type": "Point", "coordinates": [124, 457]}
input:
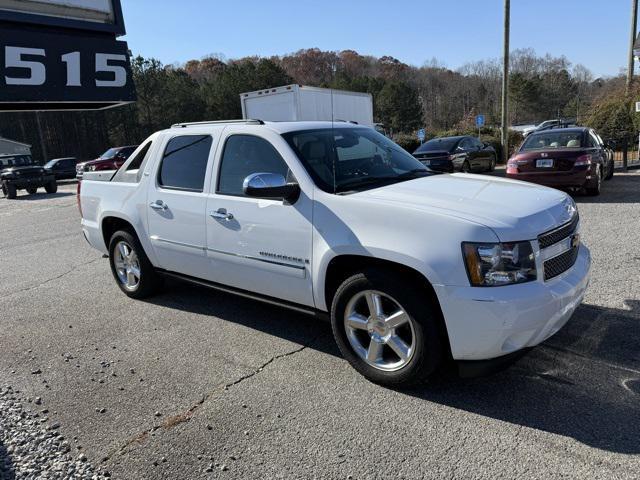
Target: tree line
{"type": "Point", "coordinates": [405, 97]}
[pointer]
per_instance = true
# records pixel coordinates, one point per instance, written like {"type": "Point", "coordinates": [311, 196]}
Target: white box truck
{"type": "Point", "coordinates": [292, 103]}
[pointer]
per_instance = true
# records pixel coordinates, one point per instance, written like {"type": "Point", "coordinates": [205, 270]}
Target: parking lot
{"type": "Point", "coordinates": [199, 384]}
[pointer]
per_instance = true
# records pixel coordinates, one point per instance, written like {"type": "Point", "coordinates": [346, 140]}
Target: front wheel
{"type": "Point", "coordinates": [492, 164]}
{"type": "Point", "coordinates": [31, 190]}
{"type": "Point", "coordinates": [385, 329]}
{"type": "Point", "coordinates": [130, 266]}
{"type": "Point", "coordinates": [466, 168]}
{"type": "Point", "coordinates": [10, 191]}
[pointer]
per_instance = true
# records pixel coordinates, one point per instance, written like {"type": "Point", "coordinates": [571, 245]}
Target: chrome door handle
{"type": "Point", "coordinates": [221, 213]}
{"type": "Point", "coordinates": [158, 205]}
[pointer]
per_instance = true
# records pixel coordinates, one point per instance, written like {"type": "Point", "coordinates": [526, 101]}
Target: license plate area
{"type": "Point", "coordinates": [544, 163]}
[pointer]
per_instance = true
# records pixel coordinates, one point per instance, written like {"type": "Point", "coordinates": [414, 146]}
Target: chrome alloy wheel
{"type": "Point", "coordinates": [379, 330]}
{"type": "Point", "coordinates": [127, 265]}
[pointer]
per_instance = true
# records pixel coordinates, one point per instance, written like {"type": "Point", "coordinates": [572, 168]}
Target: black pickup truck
{"type": "Point", "coordinates": [22, 172]}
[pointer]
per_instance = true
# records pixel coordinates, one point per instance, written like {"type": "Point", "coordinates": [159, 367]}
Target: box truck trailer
{"type": "Point", "coordinates": [301, 103]}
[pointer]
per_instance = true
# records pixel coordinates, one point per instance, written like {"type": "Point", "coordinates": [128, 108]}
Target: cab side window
{"type": "Point", "coordinates": [244, 155]}
{"type": "Point", "coordinates": [184, 163]}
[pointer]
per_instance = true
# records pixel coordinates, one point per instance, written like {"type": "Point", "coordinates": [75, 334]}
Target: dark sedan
{"type": "Point", "coordinates": [463, 153]}
{"type": "Point", "coordinates": [565, 158]}
{"type": "Point", "coordinates": [62, 168]}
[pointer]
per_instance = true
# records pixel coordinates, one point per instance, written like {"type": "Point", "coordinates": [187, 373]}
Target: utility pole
{"type": "Point", "coordinates": [505, 84]}
{"type": "Point", "coordinates": [632, 39]}
{"type": "Point", "coordinates": [43, 146]}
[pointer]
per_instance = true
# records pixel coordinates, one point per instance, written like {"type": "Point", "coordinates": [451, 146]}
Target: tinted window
{"type": "Point", "coordinates": [466, 144]}
{"type": "Point", "coordinates": [244, 155]}
{"type": "Point", "coordinates": [442, 144]}
{"type": "Point", "coordinates": [184, 162]}
{"type": "Point", "coordinates": [125, 152]}
{"type": "Point", "coordinates": [135, 162]}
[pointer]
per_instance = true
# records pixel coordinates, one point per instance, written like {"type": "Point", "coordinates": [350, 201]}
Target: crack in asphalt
{"type": "Point", "coordinates": [52, 279]}
{"type": "Point", "coordinates": [174, 420]}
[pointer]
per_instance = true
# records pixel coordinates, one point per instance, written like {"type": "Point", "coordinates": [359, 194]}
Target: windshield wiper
{"type": "Point", "coordinates": [364, 181]}
{"type": "Point", "coordinates": [414, 172]}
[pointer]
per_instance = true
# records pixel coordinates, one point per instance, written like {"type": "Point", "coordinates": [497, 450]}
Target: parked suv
{"type": "Point", "coordinates": [414, 268]}
{"type": "Point", "coordinates": [112, 159]}
{"type": "Point", "coordinates": [565, 158]}
{"type": "Point", "coordinates": [463, 153]}
{"type": "Point", "coordinates": [22, 172]}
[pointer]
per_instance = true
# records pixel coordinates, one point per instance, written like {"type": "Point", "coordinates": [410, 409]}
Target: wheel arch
{"type": "Point", "coordinates": [343, 266]}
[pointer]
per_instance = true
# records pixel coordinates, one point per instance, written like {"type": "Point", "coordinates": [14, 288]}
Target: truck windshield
{"type": "Point", "coordinates": [109, 154]}
{"type": "Point", "coordinates": [350, 159]}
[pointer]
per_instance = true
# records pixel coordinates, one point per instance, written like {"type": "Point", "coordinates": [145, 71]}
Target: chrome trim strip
{"type": "Point", "coordinates": [173, 242]}
{"type": "Point", "coordinates": [249, 257]}
{"type": "Point", "coordinates": [557, 248]}
{"type": "Point", "coordinates": [206, 249]}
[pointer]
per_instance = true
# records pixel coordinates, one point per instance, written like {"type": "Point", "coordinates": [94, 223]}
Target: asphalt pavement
{"type": "Point", "coordinates": [199, 384]}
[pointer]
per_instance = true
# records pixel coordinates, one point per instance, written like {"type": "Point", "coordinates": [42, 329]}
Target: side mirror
{"type": "Point", "coordinates": [270, 185]}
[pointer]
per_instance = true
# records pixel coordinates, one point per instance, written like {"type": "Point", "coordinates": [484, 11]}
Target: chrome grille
{"type": "Point", "coordinates": [560, 264]}
{"type": "Point", "coordinates": [557, 234]}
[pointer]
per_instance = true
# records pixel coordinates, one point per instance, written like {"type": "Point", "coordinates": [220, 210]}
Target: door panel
{"type": "Point", "coordinates": [176, 204]}
{"type": "Point", "coordinates": [261, 245]}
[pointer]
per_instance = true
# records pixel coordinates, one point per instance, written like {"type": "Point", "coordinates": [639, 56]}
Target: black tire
{"type": "Point", "coordinates": [428, 351]}
{"type": "Point", "coordinates": [10, 191]}
{"type": "Point", "coordinates": [610, 169]}
{"type": "Point", "coordinates": [595, 185]}
{"type": "Point", "coordinates": [149, 281]}
{"type": "Point", "coordinates": [51, 187]}
{"type": "Point", "coordinates": [492, 164]}
{"type": "Point", "coordinates": [466, 168]}
{"type": "Point", "coordinates": [31, 190]}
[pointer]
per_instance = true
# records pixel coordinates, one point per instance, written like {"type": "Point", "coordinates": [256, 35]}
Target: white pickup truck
{"type": "Point", "coordinates": [414, 268]}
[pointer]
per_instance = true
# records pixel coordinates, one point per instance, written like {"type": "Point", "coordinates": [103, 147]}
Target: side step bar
{"type": "Point", "coordinates": [251, 295]}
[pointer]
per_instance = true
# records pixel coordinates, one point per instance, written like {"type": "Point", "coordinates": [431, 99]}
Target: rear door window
{"type": "Point", "coordinates": [184, 163]}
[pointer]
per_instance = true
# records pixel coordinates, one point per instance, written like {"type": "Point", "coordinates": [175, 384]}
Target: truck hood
{"type": "Point", "coordinates": [514, 210]}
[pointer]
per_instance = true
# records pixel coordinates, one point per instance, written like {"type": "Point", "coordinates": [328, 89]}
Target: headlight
{"type": "Point", "coordinates": [494, 264]}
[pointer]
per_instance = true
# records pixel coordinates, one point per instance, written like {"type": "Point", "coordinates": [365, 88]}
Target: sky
{"type": "Point", "coordinates": [594, 33]}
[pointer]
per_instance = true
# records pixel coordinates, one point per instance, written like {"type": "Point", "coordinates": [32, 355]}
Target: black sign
{"type": "Point", "coordinates": [45, 70]}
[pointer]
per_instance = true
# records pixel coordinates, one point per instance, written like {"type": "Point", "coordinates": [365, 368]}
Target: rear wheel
{"type": "Point", "coordinates": [130, 266]}
{"type": "Point", "coordinates": [610, 168]}
{"type": "Point", "coordinates": [595, 185]}
{"type": "Point", "coordinates": [31, 190]}
{"type": "Point", "coordinates": [385, 330]}
{"type": "Point", "coordinates": [51, 187]}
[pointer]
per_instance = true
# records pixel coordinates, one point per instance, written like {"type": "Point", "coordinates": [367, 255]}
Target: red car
{"type": "Point", "coordinates": [112, 159]}
{"type": "Point", "coordinates": [563, 158]}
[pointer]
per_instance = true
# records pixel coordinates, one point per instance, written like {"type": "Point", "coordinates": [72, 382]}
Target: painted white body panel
{"type": "Point", "coordinates": [419, 224]}
{"type": "Point", "coordinates": [296, 103]}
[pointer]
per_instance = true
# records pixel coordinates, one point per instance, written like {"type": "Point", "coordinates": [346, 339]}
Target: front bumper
{"type": "Point", "coordinates": [490, 322]}
{"type": "Point", "coordinates": [27, 182]}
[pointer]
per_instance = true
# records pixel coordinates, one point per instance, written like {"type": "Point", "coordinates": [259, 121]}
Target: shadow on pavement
{"type": "Point", "coordinates": [22, 196]}
{"type": "Point", "coordinates": [7, 472]}
{"type": "Point", "coordinates": [582, 383]}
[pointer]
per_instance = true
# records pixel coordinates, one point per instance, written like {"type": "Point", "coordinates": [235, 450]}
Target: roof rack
{"type": "Point", "coordinates": [249, 121]}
